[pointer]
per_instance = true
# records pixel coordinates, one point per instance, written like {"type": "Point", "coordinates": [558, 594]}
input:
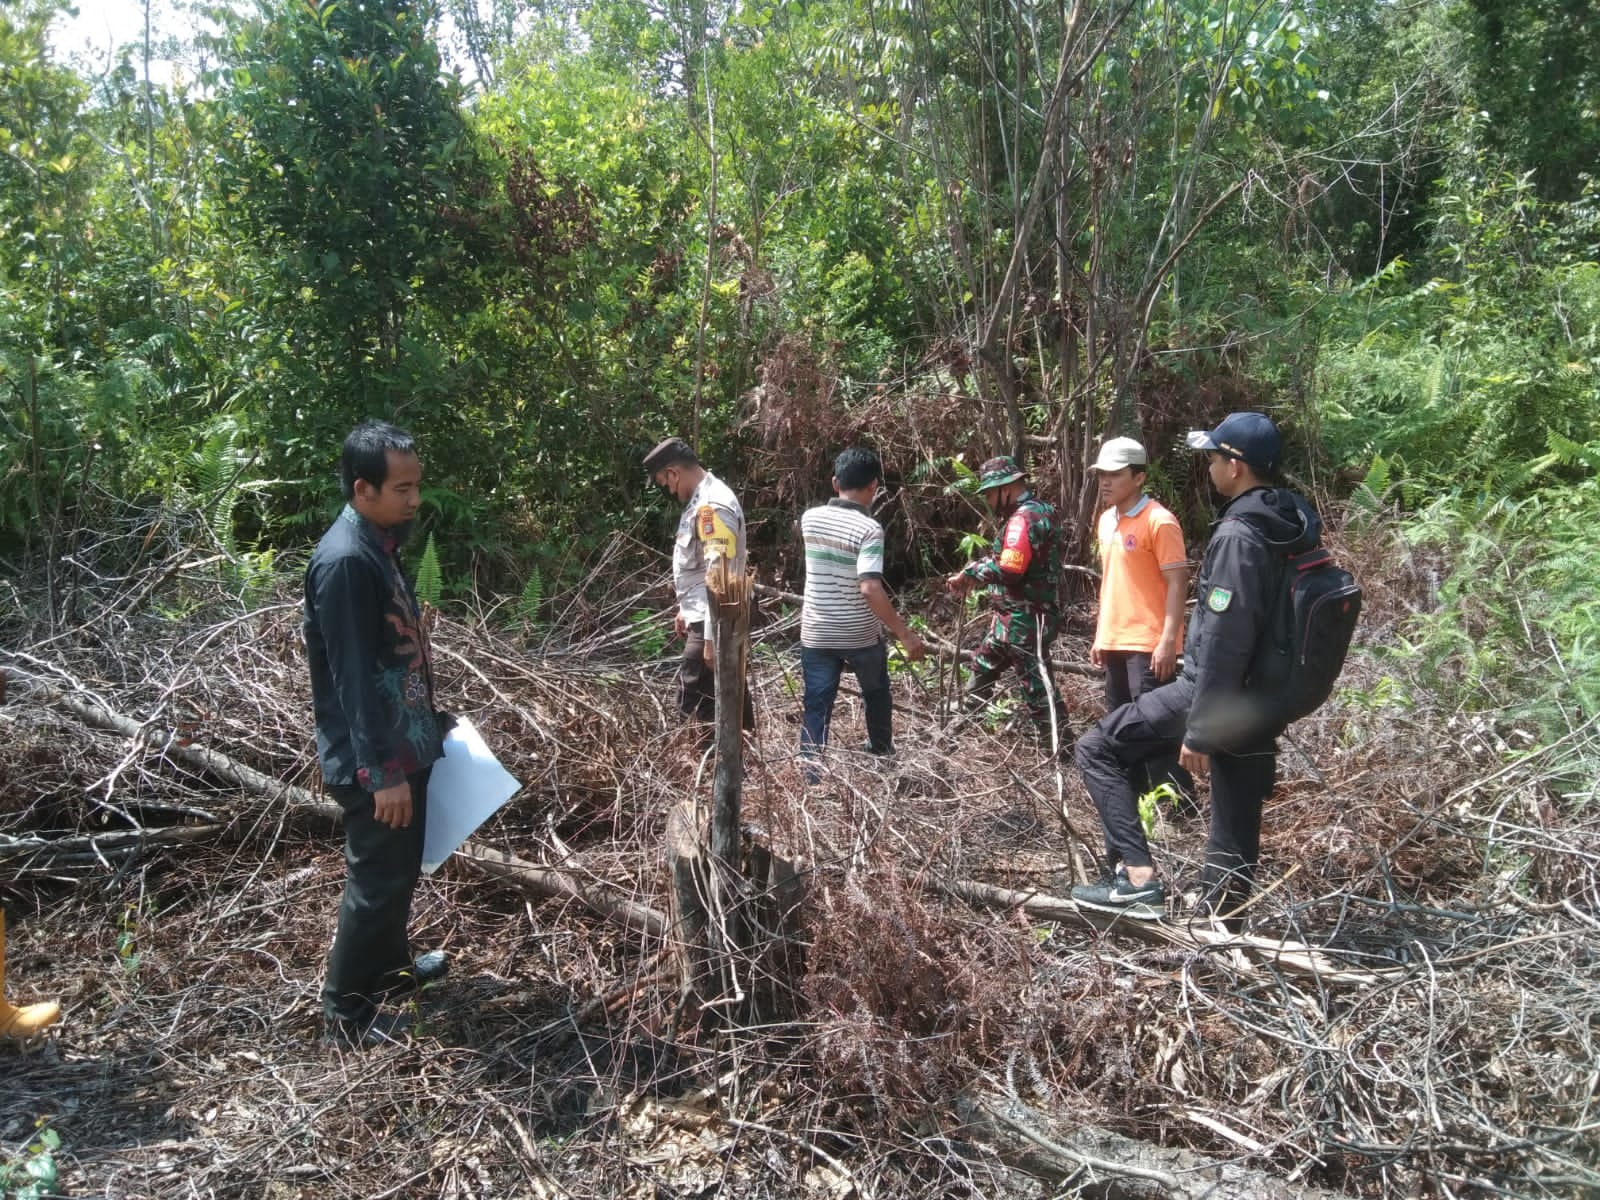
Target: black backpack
{"type": "Point", "coordinates": [1318, 605]}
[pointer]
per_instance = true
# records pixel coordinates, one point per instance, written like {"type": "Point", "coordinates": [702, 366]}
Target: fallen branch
{"type": "Point", "coordinates": [550, 884]}
{"type": "Point", "coordinates": [1103, 1164]}
{"type": "Point", "coordinates": [530, 877]}
{"type": "Point", "coordinates": [94, 845]}
{"type": "Point", "coordinates": [1292, 957]}
{"type": "Point", "coordinates": [172, 745]}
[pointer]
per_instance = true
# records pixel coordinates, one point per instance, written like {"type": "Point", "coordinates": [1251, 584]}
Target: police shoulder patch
{"type": "Point", "coordinates": [1219, 599]}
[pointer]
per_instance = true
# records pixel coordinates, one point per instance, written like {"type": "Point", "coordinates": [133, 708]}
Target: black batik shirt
{"type": "Point", "coordinates": [371, 674]}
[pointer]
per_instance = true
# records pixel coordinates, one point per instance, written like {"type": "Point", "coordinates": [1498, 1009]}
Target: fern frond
{"type": "Point", "coordinates": [532, 596]}
{"type": "Point", "coordinates": [430, 582]}
{"type": "Point", "coordinates": [1572, 454]}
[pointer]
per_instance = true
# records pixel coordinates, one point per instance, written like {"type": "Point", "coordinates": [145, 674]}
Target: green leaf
{"type": "Point", "coordinates": [430, 584]}
{"type": "Point", "coordinates": [532, 596]}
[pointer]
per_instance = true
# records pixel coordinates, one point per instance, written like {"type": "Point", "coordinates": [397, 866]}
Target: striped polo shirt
{"type": "Point", "coordinates": [844, 545]}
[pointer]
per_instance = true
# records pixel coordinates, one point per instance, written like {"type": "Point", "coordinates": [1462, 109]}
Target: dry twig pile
{"type": "Point", "coordinates": [962, 1031]}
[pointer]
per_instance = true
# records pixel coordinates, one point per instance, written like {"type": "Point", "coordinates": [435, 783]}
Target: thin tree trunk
{"type": "Point", "coordinates": [730, 594]}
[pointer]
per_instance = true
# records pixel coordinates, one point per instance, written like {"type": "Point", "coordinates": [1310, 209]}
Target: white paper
{"type": "Point", "coordinates": [467, 787]}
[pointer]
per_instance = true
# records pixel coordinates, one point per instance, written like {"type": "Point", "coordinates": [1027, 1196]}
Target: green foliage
{"type": "Point", "coordinates": [258, 576]}
{"type": "Point", "coordinates": [1536, 75]}
{"type": "Point", "coordinates": [973, 545]}
{"type": "Point", "coordinates": [128, 939]}
{"type": "Point", "coordinates": [647, 635]}
{"type": "Point", "coordinates": [343, 165]}
{"type": "Point", "coordinates": [344, 155]}
{"type": "Point", "coordinates": [429, 583]}
{"type": "Point", "coordinates": [220, 465]}
{"type": "Point", "coordinates": [998, 711]}
{"type": "Point", "coordinates": [32, 1173]}
{"type": "Point", "coordinates": [1515, 636]}
{"type": "Point", "coordinates": [1150, 803]}
{"type": "Point", "coordinates": [1463, 378]}
{"type": "Point", "coordinates": [531, 597]}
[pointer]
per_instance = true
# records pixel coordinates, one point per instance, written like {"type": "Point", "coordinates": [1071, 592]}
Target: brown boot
{"type": "Point", "coordinates": [30, 1019]}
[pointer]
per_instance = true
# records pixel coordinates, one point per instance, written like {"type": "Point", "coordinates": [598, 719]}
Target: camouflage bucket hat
{"type": "Point", "coordinates": [997, 472]}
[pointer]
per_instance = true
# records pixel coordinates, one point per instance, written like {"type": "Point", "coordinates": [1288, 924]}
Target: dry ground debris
{"type": "Point", "coordinates": [1414, 1014]}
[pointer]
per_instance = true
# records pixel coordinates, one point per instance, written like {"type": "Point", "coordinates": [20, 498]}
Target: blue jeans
{"type": "Point", "coordinates": [822, 668]}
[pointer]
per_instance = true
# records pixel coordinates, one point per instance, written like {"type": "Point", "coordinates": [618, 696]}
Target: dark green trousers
{"type": "Point", "coordinates": [1014, 641]}
{"type": "Point", "coordinates": [371, 949]}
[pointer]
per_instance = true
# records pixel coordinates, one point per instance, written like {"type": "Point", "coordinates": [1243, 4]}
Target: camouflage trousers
{"type": "Point", "coordinates": [1016, 640]}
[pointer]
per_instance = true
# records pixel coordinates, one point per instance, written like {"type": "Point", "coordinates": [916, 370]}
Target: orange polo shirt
{"type": "Point", "coordinates": [1134, 549]}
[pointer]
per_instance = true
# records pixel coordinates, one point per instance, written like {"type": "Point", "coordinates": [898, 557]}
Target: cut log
{"type": "Point", "coordinates": [1105, 1165]}
{"type": "Point", "coordinates": [690, 890]}
{"type": "Point", "coordinates": [709, 935]}
{"type": "Point", "coordinates": [730, 594]}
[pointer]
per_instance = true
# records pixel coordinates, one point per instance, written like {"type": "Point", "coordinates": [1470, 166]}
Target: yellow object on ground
{"type": "Point", "coordinates": [28, 1020]}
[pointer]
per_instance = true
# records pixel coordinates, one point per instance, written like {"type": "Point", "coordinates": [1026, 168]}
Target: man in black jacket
{"type": "Point", "coordinates": [1209, 714]}
{"type": "Point", "coordinates": [377, 732]}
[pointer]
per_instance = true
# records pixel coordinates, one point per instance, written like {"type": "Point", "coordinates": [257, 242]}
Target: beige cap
{"type": "Point", "coordinates": [1120, 452]}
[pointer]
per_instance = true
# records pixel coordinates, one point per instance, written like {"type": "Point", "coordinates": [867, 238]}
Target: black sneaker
{"type": "Point", "coordinates": [1147, 902]}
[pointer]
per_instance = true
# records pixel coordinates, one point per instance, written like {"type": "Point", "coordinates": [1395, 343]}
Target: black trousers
{"type": "Point", "coordinates": [1128, 676]}
{"type": "Point", "coordinates": [1114, 753]}
{"type": "Point", "coordinates": [697, 684]}
{"type": "Point", "coordinates": [371, 948]}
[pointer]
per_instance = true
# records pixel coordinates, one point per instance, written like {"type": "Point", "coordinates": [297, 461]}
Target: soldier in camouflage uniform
{"type": "Point", "coordinates": [1021, 574]}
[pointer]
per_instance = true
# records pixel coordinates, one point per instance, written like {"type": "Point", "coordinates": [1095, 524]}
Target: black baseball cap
{"type": "Point", "coordinates": [1250, 437]}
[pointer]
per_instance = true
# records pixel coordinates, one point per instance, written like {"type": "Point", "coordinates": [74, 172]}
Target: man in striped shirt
{"type": "Point", "coordinates": [847, 607]}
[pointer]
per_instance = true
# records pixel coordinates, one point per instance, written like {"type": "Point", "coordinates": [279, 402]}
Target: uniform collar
{"type": "Point", "coordinates": [1144, 499]}
{"type": "Point", "coordinates": [705, 484]}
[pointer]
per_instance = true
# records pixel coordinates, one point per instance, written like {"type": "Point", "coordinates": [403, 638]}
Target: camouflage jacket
{"type": "Point", "coordinates": [1025, 563]}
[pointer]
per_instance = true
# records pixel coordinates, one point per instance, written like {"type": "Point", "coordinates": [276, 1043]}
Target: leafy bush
{"type": "Point", "coordinates": [1515, 636]}
{"type": "Point", "coordinates": [1460, 380]}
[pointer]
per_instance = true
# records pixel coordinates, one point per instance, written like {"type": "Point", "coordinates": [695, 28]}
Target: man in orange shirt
{"type": "Point", "coordinates": [1144, 582]}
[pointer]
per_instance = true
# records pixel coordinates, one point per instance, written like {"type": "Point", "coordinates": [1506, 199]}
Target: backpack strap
{"type": "Point", "coordinates": [1310, 560]}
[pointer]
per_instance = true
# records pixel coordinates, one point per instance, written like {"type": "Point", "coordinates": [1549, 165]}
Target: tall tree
{"type": "Point", "coordinates": [1080, 154]}
{"type": "Point", "coordinates": [1537, 74]}
{"type": "Point", "coordinates": [346, 153]}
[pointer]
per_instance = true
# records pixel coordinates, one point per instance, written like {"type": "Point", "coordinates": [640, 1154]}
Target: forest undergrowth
{"type": "Point", "coordinates": [1413, 1011]}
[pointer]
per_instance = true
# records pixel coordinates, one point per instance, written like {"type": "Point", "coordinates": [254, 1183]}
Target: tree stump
{"type": "Point", "coordinates": [734, 901]}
